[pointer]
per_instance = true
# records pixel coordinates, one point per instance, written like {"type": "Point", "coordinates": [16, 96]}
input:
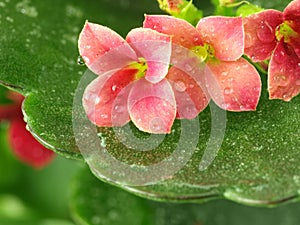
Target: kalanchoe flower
{"type": "Point", "coordinates": [231, 81]}
{"type": "Point", "coordinates": [275, 35]}
{"type": "Point", "coordinates": [134, 82]}
{"type": "Point", "coordinates": [24, 146]}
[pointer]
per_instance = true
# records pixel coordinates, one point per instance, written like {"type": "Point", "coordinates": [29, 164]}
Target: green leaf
{"type": "Point", "coordinates": [97, 203]}
{"type": "Point", "coordinates": [248, 9]}
{"type": "Point", "coordinates": [258, 162]}
{"type": "Point", "coordinates": [38, 56]}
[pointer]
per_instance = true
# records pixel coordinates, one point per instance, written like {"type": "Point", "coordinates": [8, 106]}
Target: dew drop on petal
{"type": "Point", "coordinates": [156, 125]}
{"type": "Point", "coordinates": [188, 67]}
{"type": "Point", "coordinates": [189, 111]}
{"type": "Point", "coordinates": [97, 100]}
{"type": "Point", "coordinates": [114, 87]}
{"type": "Point", "coordinates": [119, 108]}
{"type": "Point", "coordinates": [178, 49]}
{"type": "Point", "coordinates": [225, 73]}
{"type": "Point", "coordinates": [298, 82]}
{"type": "Point", "coordinates": [228, 91]}
{"type": "Point", "coordinates": [265, 33]}
{"type": "Point", "coordinates": [280, 57]}
{"type": "Point", "coordinates": [180, 86]}
{"type": "Point", "coordinates": [286, 96]}
{"type": "Point", "coordinates": [104, 116]}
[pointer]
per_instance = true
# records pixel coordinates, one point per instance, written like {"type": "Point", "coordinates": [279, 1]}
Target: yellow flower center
{"type": "Point", "coordinates": [285, 31]}
{"type": "Point", "coordinates": [204, 52]}
{"type": "Point", "coordinates": [141, 66]}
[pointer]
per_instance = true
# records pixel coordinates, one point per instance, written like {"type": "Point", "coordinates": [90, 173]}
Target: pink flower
{"type": "Point", "coordinates": [24, 146]}
{"type": "Point", "coordinates": [132, 82]}
{"type": "Point", "coordinates": [231, 81]}
{"type": "Point", "coordinates": [275, 35]}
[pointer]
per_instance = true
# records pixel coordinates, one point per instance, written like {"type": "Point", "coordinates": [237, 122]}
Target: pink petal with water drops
{"type": "Point", "coordinates": [292, 11]}
{"type": "Point", "coordinates": [260, 39]}
{"type": "Point", "coordinates": [105, 98]}
{"type": "Point", "coordinates": [234, 86]}
{"type": "Point", "coordinates": [189, 95]}
{"type": "Point", "coordinates": [103, 49]}
{"type": "Point", "coordinates": [183, 33]}
{"type": "Point", "coordinates": [294, 38]}
{"type": "Point", "coordinates": [155, 48]}
{"type": "Point", "coordinates": [284, 73]}
{"type": "Point", "coordinates": [225, 34]}
{"type": "Point", "coordinates": [152, 107]}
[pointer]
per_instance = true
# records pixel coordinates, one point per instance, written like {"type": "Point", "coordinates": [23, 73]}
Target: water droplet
{"type": "Point", "coordinates": [97, 100]}
{"type": "Point", "coordinates": [9, 19]}
{"type": "Point", "coordinates": [281, 80]}
{"type": "Point", "coordinates": [180, 86]}
{"type": "Point", "coordinates": [224, 73]}
{"type": "Point", "coordinates": [188, 67]}
{"type": "Point", "coordinates": [228, 91]}
{"type": "Point", "coordinates": [225, 105]}
{"type": "Point", "coordinates": [298, 82]}
{"type": "Point", "coordinates": [80, 61]}
{"type": "Point", "coordinates": [178, 49]}
{"type": "Point", "coordinates": [189, 111]}
{"type": "Point", "coordinates": [286, 96]}
{"type": "Point", "coordinates": [299, 64]}
{"type": "Point", "coordinates": [24, 8]}
{"type": "Point", "coordinates": [114, 87]}
{"type": "Point", "coordinates": [119, 108]}
{"type": "Point", "coordinates": [156, 125]}
{"type": "Point", "coordinates": [265, 33]}
{"type": "Point", "coordinates": [280, 57]}
{"type": "Point", "coordinates": [104, 116]}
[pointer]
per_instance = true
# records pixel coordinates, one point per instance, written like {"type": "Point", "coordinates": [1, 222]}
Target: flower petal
{"type": "Point", "coordinates": [260, 39]}
{"type": "Point", "coordinates": [225, 34]}
{"type": "Point", "coordinates": [284, 73]}
{"type": "Point", "coordinates": [182, 32]}
{"type": "Point", "coordinates": [152, 107]}
{"type": "Point", "coordinates": [105, 98]}
{"type": "Point", "coordinates": [234, 86]}
{"type": "Point", "coordinates": [292, 15]}
{"type": "Point", "coordinates": [155, 48]}
{"type": "Point", "coordinates": [26, 148]}
{"type": "Point", "coordinates": [189, 95]}
{"type": "Point", "coordinates": [292, 11]}
{"type": "Point", "coordinates": [103, 49]}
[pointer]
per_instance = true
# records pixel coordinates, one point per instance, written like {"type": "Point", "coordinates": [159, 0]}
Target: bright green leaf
{"type": "Point", "coordinates": [96, 203]}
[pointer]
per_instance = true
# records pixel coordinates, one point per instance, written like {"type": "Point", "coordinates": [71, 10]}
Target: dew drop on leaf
{"type": "Point", "coordinates": [80, 61]}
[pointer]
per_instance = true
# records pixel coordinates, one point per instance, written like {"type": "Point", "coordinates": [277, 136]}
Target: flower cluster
{"type": "Point", "coordinates": [275, 35]}
{"type": "Point", "coordinates": [170, 69]}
